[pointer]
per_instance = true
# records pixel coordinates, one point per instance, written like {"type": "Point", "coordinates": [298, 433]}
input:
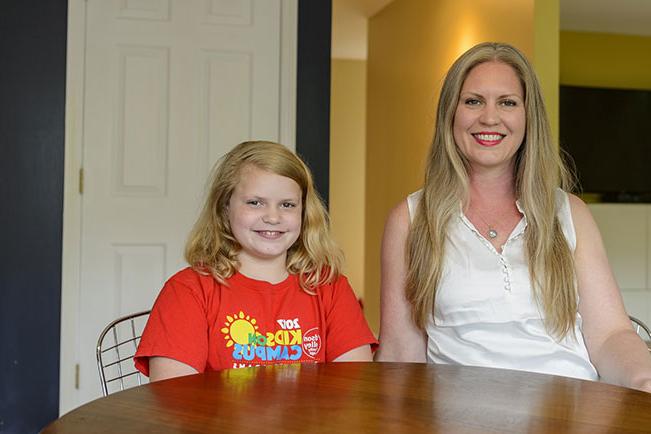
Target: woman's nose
{"type": "Point", "coordinates": [489, 115]}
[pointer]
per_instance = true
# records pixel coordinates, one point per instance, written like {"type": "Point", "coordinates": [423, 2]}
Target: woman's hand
{"type": "Point", "coordinates": [644, 386]}
{"type": "Point", "coordinates": [618, 353]}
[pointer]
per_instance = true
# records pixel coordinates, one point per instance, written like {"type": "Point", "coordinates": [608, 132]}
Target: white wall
{"type": "Point", "coordinates": [626, 235]}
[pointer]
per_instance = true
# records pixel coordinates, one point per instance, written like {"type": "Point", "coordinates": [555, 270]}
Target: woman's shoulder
{"type": "Point", "coordinates": [402, 214]}
{"type": "Point", "coordinates": [570, 199]}
{"type": "Point", "coordinates": [577, 207]}
{"type": "Point", "coordinates": [412, 202]}
{"type": "Point", "coordinates": [581, 215]}
{"type": "Point", "coordinates": [570, 205]}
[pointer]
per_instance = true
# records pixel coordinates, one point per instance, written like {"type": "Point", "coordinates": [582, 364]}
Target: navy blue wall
{"type": "Point", "coordinates": [32, 114]}
{"type": "Point", "coordinates": [313, 90]}
{"type": "Point", "coordinates": [32, 104]}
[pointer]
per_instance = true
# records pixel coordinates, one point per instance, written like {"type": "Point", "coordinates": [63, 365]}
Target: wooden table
{"type": "Point", "coordinates": [365, 397]}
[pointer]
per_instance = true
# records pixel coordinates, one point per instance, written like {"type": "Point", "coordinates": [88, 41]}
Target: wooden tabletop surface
{"type": "Point", "coordinates": [365, 397]}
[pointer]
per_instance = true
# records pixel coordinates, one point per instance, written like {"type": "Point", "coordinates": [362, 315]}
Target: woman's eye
{"type": "Point", "coordinates": [471, 101]}
{"type": "Point", "coordinates": [509, 103]}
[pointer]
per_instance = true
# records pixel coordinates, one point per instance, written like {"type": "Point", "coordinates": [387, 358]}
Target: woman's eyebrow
{"type": "Point", "coordinates": [506, 95]}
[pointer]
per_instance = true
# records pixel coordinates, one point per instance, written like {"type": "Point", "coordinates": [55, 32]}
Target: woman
{"type": "Point", "coordinates": [492, 263]}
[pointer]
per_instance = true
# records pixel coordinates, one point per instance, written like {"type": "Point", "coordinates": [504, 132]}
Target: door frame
{"type": "Point", "coordinates": [74, 139]}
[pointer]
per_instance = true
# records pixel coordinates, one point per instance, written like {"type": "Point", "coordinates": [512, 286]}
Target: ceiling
{"type": "Point", "coordinates": [632, 17]}
{"type": "Point", "coordinates": [629, 17]}
{"type": "Point", "coordinates": [349, 25]}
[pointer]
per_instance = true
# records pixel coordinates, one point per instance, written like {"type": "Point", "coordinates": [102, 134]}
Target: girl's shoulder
{"type": "Point", "coordinates": [193, 280]}
{"type": "Point", "coordinates": [339, 287]}
{"type": "Point", "coordinates": [336, 282]}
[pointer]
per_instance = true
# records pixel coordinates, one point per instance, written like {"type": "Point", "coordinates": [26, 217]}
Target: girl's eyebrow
{"type": "Point", "coordinates": [258, 197]}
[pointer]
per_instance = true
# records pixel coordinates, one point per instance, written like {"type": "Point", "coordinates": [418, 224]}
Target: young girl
{"type": "Point", "coordinates": [264, 284]}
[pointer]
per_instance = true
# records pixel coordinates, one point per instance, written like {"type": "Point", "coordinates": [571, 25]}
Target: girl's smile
{"type": "Point", "coordinates": [271, 235]}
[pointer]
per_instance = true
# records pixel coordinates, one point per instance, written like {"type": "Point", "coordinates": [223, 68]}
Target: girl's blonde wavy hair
{"type": "Point", "coordinates": [211, 246]}
{"type": "Point", "coordinates": [539, 171]}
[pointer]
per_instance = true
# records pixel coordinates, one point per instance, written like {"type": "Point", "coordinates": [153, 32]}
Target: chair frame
{"type": "Point", "coordinates": [115, 346]}
{"type": "Point", "coordinates": [641, 328]}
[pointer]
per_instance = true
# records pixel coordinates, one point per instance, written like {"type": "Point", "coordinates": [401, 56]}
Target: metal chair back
{"type": "Point", "coordinates": [642, 330]}
{"type": "Point", "coordinates": [116, 347]}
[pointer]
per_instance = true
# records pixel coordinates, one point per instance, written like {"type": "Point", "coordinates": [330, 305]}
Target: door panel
{"type": "Point", "coordinates": [170, 86]}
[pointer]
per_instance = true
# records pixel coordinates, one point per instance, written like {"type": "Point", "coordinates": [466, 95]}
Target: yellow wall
{"type": "Point", "coordinates": [605, 60]}
{"type": "Point", "coordinates": [546, 55]}
{"type": "Point", "coordinates": [412, 43]}
{"type": "Point", "coordinates": [347, 156]}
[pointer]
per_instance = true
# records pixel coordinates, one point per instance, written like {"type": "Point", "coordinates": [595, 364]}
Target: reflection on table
{"type": "Point", "coordinates": [366, 397]}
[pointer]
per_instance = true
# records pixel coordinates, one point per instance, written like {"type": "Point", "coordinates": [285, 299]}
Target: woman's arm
{"type": "Point", "coordinates": [161, 368]}
{"type": "Point", "coordinates": [617, 352]}
{"type": "Point", "coordinates": [400, 339]}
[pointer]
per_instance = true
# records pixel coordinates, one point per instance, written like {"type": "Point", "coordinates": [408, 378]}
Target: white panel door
{"type": "Point", "coordinates": [169, 87]}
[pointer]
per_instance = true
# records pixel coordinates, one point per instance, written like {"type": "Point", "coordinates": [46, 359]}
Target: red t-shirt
{"type": "Point", "coordinates": [210, 326]}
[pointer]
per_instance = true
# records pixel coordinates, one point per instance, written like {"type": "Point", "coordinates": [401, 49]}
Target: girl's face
{"type": "Point", "coordinates": [490, 121]}
{"type": "Point", "coordinates": [265, 217]}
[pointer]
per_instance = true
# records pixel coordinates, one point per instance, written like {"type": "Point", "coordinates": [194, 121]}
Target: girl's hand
{"type": "Point", "coordinates": [161, 368]}
{"type": "Point", "coordinates": [359, 354]}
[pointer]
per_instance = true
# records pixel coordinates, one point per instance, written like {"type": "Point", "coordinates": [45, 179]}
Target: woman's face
{"type": "Point", "coordinates": [489, 122]}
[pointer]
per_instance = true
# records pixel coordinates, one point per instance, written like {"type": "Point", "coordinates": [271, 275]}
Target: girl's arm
{"type": "Point", "coordinates": [360, 354]}
{"type": "Point", "coordinates": [617, 352]}
{"type": "Point", "coordinates": [400, 339]}
{"type": "Point", "coordinates": [161, 368]}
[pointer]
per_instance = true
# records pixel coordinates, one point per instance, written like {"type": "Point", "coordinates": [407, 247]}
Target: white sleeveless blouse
{"type": "Point", "coordinates": [485, 312]}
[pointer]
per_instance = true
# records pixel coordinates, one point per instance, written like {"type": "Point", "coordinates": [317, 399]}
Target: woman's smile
{"type": "Point", "coordinates": [488, 138]}
{"type": "Point", "coordinates": [489, 122]}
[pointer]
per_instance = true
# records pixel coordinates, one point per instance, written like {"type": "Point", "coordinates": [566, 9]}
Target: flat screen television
{"type": "Point", "coordinates": [607, 132]}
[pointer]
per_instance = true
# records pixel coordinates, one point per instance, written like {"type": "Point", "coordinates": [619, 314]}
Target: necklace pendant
{"type": "Point", "coordinates": [492, 233]}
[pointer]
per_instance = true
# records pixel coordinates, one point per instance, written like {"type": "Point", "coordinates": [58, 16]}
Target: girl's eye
{"type": "Point", "coordinates": [288, 205]}
{"type": "Point", "coordinates": [253, 202]}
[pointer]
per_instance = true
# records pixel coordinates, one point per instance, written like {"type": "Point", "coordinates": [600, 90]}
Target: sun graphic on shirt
{"type": "Point", "coordinates": [238, 328]}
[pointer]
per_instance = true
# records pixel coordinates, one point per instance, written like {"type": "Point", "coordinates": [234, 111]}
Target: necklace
{"type": "Point", "coordinates": [492, 233]}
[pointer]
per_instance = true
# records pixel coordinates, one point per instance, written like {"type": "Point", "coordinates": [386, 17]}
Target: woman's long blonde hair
{"type": "Point", "coordinates": [211, 246]}
{"type": "Point", "coordinates": [539, 171]}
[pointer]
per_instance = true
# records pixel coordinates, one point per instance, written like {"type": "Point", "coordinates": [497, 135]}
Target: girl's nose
{"type": "Point", "coordinates": [271, 216]}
